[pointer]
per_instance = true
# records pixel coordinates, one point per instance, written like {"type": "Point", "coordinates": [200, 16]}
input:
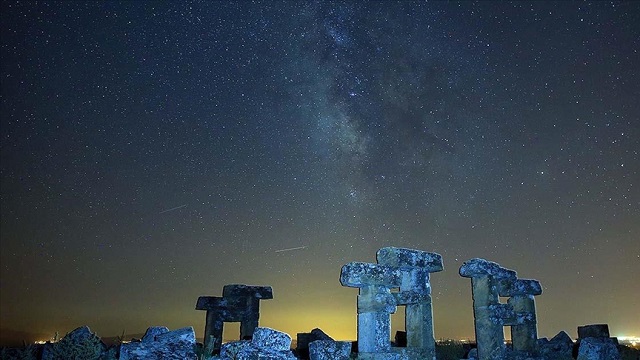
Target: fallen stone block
{"type": "Point", "coordinates": [267, 338]}
{"type": "Point", "coordinates": [153, 331]}
{"type": "Point", "coordinates": [304, 339]}
{"type": "Point", "coordinates": [231, 349]}
{"type": "Point", "coordinates": [329, 350]}
{"type": "Point", "coordinates": [560, 347]}
{"type": "Point", "coordinates": [252, 353]}
{"type": "Point", "coordinates": [595, 330]}
{"type": "Point", "coordinates": [80, 343]}
{"type": "Point", "coordinates": [592, 348]}
{"type": "Point", "coordinates": [173, 345]}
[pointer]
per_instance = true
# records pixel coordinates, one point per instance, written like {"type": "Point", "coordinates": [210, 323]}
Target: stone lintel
{"type": "Point", "coordinates": [400, 257]}
{"type": "Point", "coordinates": [480, 267]}
{"type": "Point", "coordinates": [359, 274]}
{"type": "Point", "coordinates": [241, 290]}
{"type": "Point", "coordinates": [520, 287]}
{"type": "Point", "coordinates": [221, 304]}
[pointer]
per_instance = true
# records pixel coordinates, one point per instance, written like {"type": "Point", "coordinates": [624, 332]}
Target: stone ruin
{"type": "Point", "coordinates": [489, 282]}
{"type": "Point", "coordinates": [400, 277]}
{"type": "Point", "coordinates": [239, 303]}
{"type": "Point", "coordinates": [396, 268]}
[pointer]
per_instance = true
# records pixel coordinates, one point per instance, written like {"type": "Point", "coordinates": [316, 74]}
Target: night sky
{"type": "Point", "coordinates": [152, 152]}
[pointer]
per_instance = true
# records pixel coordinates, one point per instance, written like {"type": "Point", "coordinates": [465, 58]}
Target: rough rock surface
{"type": "Point", "coordinates": [595, 330]}
{"type": "Point", "coordinates": [329, 350]}
{"type": "Point", "coordinates": [560, 347]}
{"type": "Point", "coordinates": [231, 349]}
{"type": "Point", "coordinates": [178, 344]}
{"type": "Point", "coordinates": [266, 344]}
{"type": "Point", "coordinates": [264, 337]}
{"type": "Point", "coordinates": [152, 332]}
{"type": "Point", "coordinates": [304, 339]}
{"type": "Point", "coordinates": [80, 343]}
{"type": "Point", "coordinates": [593, 348]}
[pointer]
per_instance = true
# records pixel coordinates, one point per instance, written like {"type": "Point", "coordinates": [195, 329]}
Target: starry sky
{"type": "Point", "coordinates": [152, 152]}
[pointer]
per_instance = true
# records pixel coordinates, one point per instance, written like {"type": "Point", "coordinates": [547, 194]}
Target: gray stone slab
{"type": "Point", "coordinates": [400, 257]}
{"type": "Point", "coordinates": [480, 267]}
{"type": "Point", "coordinates": [359, 274]}
{"type": "Point", "coordinates": [258, 292]}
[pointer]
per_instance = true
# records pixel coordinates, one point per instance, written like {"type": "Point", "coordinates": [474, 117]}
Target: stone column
{"type": "Point", "coordinates": [524, 331]}
{"type": "Point", "coordinates": [375, 303]}
{"type": "Point", "coordinates": [489, 315]}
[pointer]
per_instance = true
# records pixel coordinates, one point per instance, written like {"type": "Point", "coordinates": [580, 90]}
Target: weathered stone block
{"type": "Point", "coordinates": [382, 356]}
{"type": "Point", "coordinates": [241, 290]}
{"type": "Point", "coordinates": [520, 287]}
{"type": "Point", "coordinates": [402, 258]}
{"type": "Point", "coordinates": [480, 267]}
{"type": "Point", "coordinates": [304, 339]}
{"type": "Point", "coordinates": [358, 274]}
{"type": "Point", "coordinates": [560, 347]}
{"type": "Point", "coordinates": [232, 348]}
{"type": "Point", "coordinates": [329, 350]}
{"type": "Point", "coordinates": [178, 344]}
{"type": "Point", "coordinates": [595, 330]}
{"type": "Point", "coordinates": [79, 343]}
{"type": "Point", "coordinates": [252, 353]}
{"type": "Point", "coordinates": [267, 338]}
{"type": "Point", "coordinates": [153, 331]}
{"type": "Point", "coordinates": [593, 348]}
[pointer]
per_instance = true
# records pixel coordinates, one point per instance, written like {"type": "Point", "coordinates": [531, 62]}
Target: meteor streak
{"type": "Point", "coordinates": [173, 208]}
{"type": "Point", "coordinates": [291, 249]}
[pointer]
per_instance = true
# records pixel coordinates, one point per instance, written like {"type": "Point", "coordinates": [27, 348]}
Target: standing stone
{"type": "Point", "coordinates": [489, 281]}
{"type": "Point", "coordinates": [404, 269]}
{"type": "Point", "coordinates": [239, 303]}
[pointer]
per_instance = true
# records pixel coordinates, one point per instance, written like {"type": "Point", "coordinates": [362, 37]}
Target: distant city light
{"type": "Point", "coordinates": [633, 340]}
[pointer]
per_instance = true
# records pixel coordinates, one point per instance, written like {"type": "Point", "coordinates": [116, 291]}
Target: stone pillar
{"type": "Point", "coordinates": [415, 293]}
{"type": "Point", "coordinates": [489, 281]}
{"type": "Point", "coordinates": [375, 303]}
{"type": "Point", "coordinates": [409, 271]}
{"type": "Point", "coordinates": [239, 303]}
{"type": "Point", "coordinates": [524, 331]}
